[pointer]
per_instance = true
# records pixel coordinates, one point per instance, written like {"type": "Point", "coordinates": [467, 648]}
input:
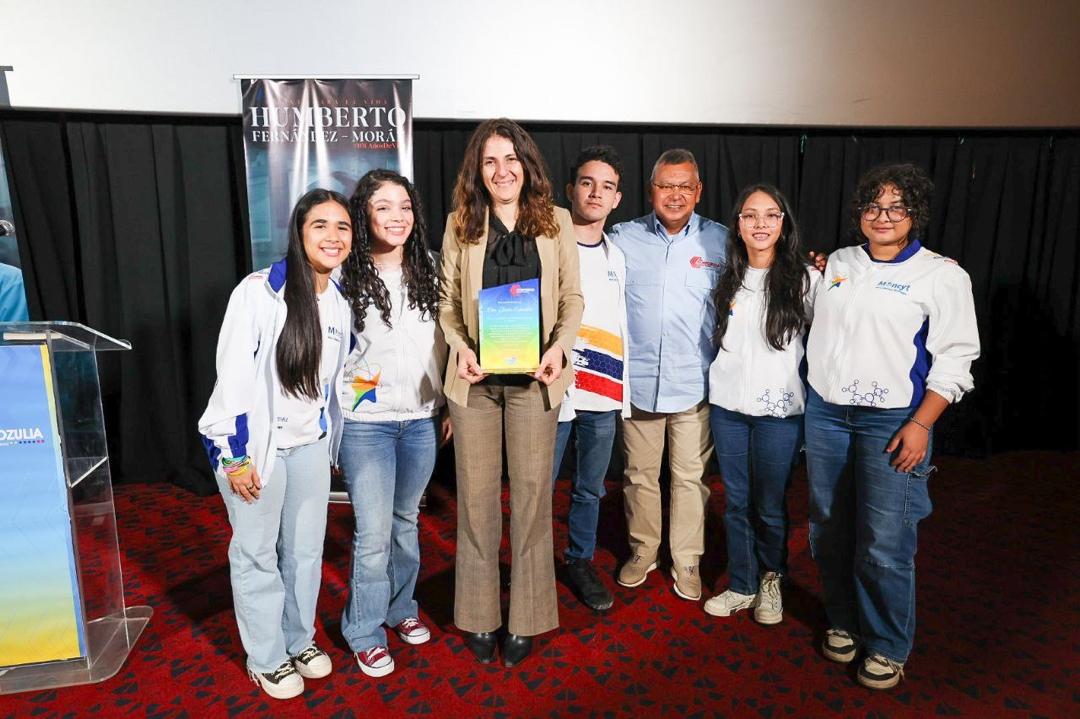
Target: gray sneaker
{"type": "Point", "coordinates": [770, 607]}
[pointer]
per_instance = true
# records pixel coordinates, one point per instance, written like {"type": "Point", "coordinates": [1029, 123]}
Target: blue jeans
{"type": "Point", "coordinates": [755, 455]}
{"type": "Point", "coordinates": [275, 555]}
{"type": "Point", "coordinates": [864, 517]}
{"type": "Point", "coordinates": [595, 438]}
{"type": "Point", "coordinates": [387, 465]}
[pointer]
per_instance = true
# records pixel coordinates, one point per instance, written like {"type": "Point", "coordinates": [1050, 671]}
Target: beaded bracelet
{"type": "Point", "coordinates": [915, 421]}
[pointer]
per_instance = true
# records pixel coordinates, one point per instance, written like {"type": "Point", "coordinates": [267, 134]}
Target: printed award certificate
{"type": "Point", "coordinates": [510, 328]}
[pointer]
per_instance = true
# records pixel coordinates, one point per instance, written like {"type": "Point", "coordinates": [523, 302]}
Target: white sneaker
{"type": "Point", "coordinates": [840, 646]}
{"type": "Point", "coordinates": [313, 663]}
{"type": "Point", "coordinates": [282, 683]}
{"type": "Point", "coordinates": [375, 662]}
{"type": "Point", "coordinates": [729, 602]}
{"type": "Point", "coordinates": [769, 608]}
{"type": "Point", "coordinates": [880, 672]}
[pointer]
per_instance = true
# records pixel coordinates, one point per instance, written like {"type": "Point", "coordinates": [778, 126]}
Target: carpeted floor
{"type": "Point", "coordinates": [998, 622]}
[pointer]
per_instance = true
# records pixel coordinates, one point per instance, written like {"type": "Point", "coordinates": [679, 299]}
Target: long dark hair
{"type": "Point", "coordinates": [787, 281]}
{"type": "Point", "coordinates": [536, 206]}
{"type": "Point", "coordinates": [299, 348]}
{"type": "Point", "coordinates": [360, 281]}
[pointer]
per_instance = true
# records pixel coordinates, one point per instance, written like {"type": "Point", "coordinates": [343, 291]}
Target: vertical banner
{"type": "Point", "coordinates": [40, 611]}
{"type": "Point", "coordinates": [300, 134]}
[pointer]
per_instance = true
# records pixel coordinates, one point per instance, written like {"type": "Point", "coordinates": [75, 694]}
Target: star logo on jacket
{"type": "Point", "coordinates": [836, 282]}
{"type": "Point", "coordinates": [698, 262]}
{"type": "Point", "coordinates": [364, 382]}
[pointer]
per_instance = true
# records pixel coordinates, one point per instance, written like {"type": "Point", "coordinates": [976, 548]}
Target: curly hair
{"type": "Point", "coordinates": [786, 284]}
{"type": "Point", "coordinates": [360, 281]}
{"type": "Point", "coordinates": [536, 206]}
{"type": "Point", "coordinates": [915, 188]}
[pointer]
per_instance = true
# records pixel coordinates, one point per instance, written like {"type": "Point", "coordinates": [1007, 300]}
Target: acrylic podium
{"type": "Point", "coordinates": [63, 619]}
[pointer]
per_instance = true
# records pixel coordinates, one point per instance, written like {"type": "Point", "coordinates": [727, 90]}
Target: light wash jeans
{"type": "Point", "coordinates": [864, 518]}
{"type": "Point", "coordinates": [275, 555]}
{"type": "Point", "coordinates": [755, 455]}
{"type": "Point", "coordinates": [387, 466]}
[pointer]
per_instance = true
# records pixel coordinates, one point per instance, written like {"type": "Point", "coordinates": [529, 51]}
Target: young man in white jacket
{"type": "Point", "coordinates": [601, 391]}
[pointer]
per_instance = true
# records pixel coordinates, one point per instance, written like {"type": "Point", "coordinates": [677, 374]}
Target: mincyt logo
{"type": "Point", "coordinates": [697, 262]}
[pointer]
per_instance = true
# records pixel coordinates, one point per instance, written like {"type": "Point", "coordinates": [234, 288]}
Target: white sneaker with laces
{"type": "Point", "coordinates": [376, 661]}
{"type": "Point", "coordinates": [282, 683]}
{"type": "Point", "coordinates": [412, 631]}
{"type": "Point", "coordinates": [880, 672]}
{"type": "Point", "coordinates": [840, 645]}
{"type": "Point", "coordinates": [729, 602]}
{"type": "Point", "coordinates": [313, 663]}
{"type": "Point", "coordinates": [769, 608]}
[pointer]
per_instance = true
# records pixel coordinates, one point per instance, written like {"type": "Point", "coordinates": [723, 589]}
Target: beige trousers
{"type": "Point", "coordinates": [517, 416]}
{"type": "Point", "coordinates": [689, 445]}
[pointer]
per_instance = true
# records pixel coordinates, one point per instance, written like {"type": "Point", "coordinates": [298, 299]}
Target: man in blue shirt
{"type": "Point", "coordinates": [12, 295]}
{"type": "Point", "coordinates": [673, 261]}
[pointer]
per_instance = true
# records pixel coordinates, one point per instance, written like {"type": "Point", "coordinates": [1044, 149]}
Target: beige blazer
{"type": "Point", "coordinates": [561, 302]}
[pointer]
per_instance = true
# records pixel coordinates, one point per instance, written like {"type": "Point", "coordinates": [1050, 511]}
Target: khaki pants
{"type": "Point", "coordinates": [689, 445]}
{"type": "Point", "coordinates": [518, 415]}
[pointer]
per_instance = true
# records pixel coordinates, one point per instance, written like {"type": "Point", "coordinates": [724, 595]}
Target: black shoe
{"type": "Point", "coordinates": [482, 645]}
{"type": "Point", "coordinates": [515, 649]}
{"type": "Point", "coordinates": [586, 586]}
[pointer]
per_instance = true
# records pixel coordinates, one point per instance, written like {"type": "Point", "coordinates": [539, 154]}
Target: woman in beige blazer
{"type": "Point", "coordinates": [505, 228]}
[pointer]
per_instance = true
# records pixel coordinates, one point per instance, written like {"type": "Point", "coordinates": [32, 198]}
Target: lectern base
{"type": "Point", "coordinates": [112, 637]}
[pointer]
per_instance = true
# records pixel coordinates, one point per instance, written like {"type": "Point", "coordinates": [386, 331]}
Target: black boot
{"type": "Point", "coordinates": [515, 649]}
{"type": "Point", "coordinates": [582, 579]}
{"type": "Point", "coordinates": [482, 645]}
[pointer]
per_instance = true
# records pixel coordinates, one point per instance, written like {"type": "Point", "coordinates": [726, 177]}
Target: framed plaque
{"type": "Point", "coordinates": [510, 328]}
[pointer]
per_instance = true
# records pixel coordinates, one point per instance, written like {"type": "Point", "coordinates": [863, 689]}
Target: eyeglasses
{"type": "Point", "coordinates": [769, 219]}
{"type": "Point", "coordinates": [895, 213]}
{"type": "Point", "coordinates": [667, 189]}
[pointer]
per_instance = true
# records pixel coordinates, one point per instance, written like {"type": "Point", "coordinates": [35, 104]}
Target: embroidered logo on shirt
{"type": "Point", "coordinates": [836, 282]}
{"type": "Point", "coordinates": [697, 262]}
{"type": "Point", "coordinates": [893, 286]}
{"type": "Point", "coordinates": [731, 309]}
{"type": "Point", "coordinates": [334, 333]}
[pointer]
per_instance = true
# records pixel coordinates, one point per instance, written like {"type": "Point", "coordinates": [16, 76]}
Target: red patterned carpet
{"type": "Point", "coordinates": [998, 622]}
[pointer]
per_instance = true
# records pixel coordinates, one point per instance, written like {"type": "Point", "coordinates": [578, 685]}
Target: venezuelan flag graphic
{"type": "Point", "coordinates": [836, 282]}
{"type": "Point", "coordinates": [598, 363]}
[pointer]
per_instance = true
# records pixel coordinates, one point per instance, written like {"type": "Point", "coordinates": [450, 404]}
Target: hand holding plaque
{"type": "Point", "coordinates": [510, 328]}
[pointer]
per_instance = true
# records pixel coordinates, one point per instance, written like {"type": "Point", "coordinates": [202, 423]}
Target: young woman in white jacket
{"type": "Point", "coordinates": [271, 429]}
{"type": "Point", "coordinates": [893, 340]}
{"type": "Point", "coordinates": [391, 393]}
{"type": "Point", "coordinates": [764, 303]}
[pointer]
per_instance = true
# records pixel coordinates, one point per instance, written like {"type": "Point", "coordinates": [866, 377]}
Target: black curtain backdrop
{"type": "Point", "coordinates": [137, 225]}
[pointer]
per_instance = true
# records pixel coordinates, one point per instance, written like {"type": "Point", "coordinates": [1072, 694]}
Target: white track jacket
{"type": "Point", "coordinates": [749, 376]}
{"type": "Point", "coordinates": [239, 416]}
{"type": "Point", "coordinates": [885, 332]}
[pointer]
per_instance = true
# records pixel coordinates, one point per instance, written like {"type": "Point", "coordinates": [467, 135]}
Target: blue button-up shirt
{"type": "Point", "coordinates": [669, 308]}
